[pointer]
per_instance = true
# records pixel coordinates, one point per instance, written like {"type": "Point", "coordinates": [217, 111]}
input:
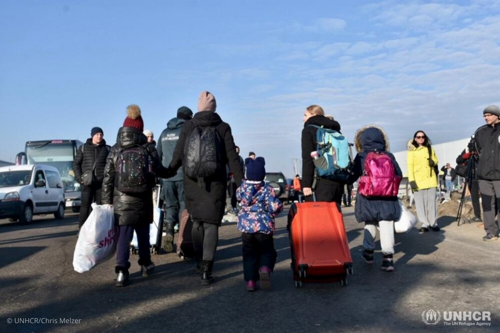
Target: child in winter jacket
{"type": "Point", "coordinates": [259, 207]}
{"type": "Point", "coordinates": [377, 204]}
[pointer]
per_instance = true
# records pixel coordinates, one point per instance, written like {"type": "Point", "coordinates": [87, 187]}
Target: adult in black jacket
{"type": "Point", "coordinates": [91, 159]}
{"type": "Point", "coordinates": [133, 211]}
{"type": "Point", "coordinates": [469, 158]}
{"type": "Point", "coordinates": [488, 169]}
{"type": "Point", "coordinates": [205, 200]}
{"type": "Point", "coordinates": [324, 189]}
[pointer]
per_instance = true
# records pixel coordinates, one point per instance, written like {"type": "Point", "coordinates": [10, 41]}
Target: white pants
{"type": "Point", "coordinates": [386, 231]}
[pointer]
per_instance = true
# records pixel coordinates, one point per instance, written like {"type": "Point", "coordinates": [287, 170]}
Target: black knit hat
{"type": "Point", "coordinates": [255, 168]}
{"type": "Point", "coordinates": [95, 130]}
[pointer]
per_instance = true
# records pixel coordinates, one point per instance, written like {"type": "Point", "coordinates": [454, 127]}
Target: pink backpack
{"type": "Point", "coordinates": [379, 176]}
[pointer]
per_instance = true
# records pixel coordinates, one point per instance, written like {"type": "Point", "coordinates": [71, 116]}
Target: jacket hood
{"type": "Point", "coordinates": [322, 121]}
{"type": "Point", "coordinates": [207, 118]}
{"type": "Point", "coordinates": [175, 123]}
{"type": "Point", "coordinates": [130, 136]}
{"type": "Point", "coordinates": [410, 145]}
{"type": "Point", "coordinates": [371, 138]}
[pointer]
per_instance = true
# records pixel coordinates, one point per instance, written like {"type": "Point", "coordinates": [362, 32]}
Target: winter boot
{"type": "Point", "coordinates": [168, 238]}
{"type": "Point", "coordinates": [206, 272]}
{"type": "Point", "coordinates": [147, 270]}
{"type": "Point", "coordinates": [387, 263]}
{"type": "Point", "coordinates": [265, 278]}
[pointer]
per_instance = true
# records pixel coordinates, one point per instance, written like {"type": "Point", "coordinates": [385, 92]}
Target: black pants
{"type": "Point", "coordinates": [205, 239]}
{"type": "Point", "coordinates": [89, 195]}
{"type": "Point", "coordinates": [125, 235]}
{"type": "Point", "coordinates": [258, 251]}
{"type": "Point", "coordinates": [231, 191]}
{"type": "Point", "coordinates": [474, 195]}
{"type": "Point", "coordinates": [327, 190]}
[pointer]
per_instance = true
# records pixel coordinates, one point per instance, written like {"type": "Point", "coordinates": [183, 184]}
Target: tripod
{"type": "Point", "coordinates": [468, 182]}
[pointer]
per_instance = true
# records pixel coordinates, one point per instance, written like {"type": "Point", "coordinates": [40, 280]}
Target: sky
{"type": "Point", "coordinates": [67, 66]}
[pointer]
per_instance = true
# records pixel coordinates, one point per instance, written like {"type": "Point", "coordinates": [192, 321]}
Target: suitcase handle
{"type": "Point", "coordinates": [301, 200]}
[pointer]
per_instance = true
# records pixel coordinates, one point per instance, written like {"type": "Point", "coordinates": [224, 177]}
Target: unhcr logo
{"type": "Point", "coordinates": [431, 317]}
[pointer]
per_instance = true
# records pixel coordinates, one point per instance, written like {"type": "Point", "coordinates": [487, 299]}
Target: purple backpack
{"type": "Point", "coordinates": [379, 176]}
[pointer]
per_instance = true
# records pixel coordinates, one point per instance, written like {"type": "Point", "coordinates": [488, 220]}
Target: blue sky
{"type": "Point", "coordinates": [405, 66]}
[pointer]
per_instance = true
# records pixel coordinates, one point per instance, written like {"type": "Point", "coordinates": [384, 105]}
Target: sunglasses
{"type": "Point", "coordinates": [420, 137]}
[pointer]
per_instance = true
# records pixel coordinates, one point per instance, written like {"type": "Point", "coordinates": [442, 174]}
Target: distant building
{"type": "Point", "coordinates": [5, 163]}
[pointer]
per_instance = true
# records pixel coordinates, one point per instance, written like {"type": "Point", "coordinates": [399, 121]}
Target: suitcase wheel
{"type": "Point", "coordinates": [349, 269]}
{"type": "Point", "coordinates": [298, 284]}
{"type": "Point", "coordinates": [343, 282]}
{"type": "Point", "coordinates": [303, 271]}
{"type": "Point", "coordinates": [134, 250]}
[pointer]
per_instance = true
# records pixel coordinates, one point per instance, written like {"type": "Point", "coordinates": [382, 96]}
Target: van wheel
{"type": "Point", "coordinates": [27, 215]}
{"type": "Point", "coordinates": [59, 214]}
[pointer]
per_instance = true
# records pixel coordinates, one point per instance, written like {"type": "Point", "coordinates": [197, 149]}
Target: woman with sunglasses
{"type": "Point", "coordinates": [423, 178]}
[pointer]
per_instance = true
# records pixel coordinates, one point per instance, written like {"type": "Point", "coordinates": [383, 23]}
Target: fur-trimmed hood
{"type": "Point", "coordinates": [410, 145]}
{"type": "Point", "coordinates": [371, 138]}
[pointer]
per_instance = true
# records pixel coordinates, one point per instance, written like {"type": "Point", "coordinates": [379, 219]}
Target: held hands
{"type": "Point", "coordinates": [307, 191]}
{"type": "Point", "coordinates": [413, 185]}
{"type": "Point", "coordinates": [431, 162]}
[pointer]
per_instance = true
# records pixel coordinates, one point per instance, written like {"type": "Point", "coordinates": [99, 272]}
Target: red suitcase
{"type": "Point", "coordinates": [319, 245]}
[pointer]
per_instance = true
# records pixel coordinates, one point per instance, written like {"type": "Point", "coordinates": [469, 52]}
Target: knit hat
{"type": "Point", "coordinates": [206, 102]}
{"type": "Point", "coordinates": [95, 130]}
{"type": "Point", "coordinates": [255, 168]}
{"type": "Point", "coordinates": [134, 118]}
{"type": "Point", "coordinates": [493, 109]}
{"type": "Point", "coordinates": [184, 113]}
{"type": "Point", "coordinates": [148, 133]}
{"type": "Point", "coordinates": [251, 153]}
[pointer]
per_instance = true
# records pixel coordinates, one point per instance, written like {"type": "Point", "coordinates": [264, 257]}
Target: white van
{"type": "Point", "coordinates": [26, 190]}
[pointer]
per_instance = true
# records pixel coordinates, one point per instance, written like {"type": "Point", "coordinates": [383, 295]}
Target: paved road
{"type": "Point", "coordinates": [453, 270]}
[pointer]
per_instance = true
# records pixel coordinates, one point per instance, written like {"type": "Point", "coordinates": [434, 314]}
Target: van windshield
{"type": "Point", "coordinates": [15, 178]}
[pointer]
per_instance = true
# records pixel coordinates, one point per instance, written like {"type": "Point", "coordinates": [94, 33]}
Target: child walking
{"type": "Point", "coordinates": [259, 207]}
{"type": "Point", "coordinates": [377, 204]}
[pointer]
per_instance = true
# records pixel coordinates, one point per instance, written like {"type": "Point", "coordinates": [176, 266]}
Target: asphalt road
{"type": "Point", "coordinates": [448, 271]}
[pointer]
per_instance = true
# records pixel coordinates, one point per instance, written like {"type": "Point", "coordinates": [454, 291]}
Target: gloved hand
{"type": "Point", "coordinates": [413, 185]}
{"type": "Point", "coordinates": [431, 162]}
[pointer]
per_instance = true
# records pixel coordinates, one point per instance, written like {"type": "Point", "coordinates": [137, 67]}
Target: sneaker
{"type": "Point", "coordinates": [251, 286]}
{"type": "Point", "coordinates": [122, 279]}
{"type": "Point", "coordinates": [423, 229]}
{"type": "Point", "coordinates": [368, 257]}
{"type": "Point", "coordinates": [435, 228]}
{"type": "Point", "coordinates": [477, 219]}
{"type": "Point", "coordinates": [387, 265]}
{"type": "Point", "coordinates": [265, 278]}
{"type": "Point", "coordinates": [176, 228]}
{"type": "Point", "coordinates": [489, 237]}
{"type": "Point", "coordinates": [147, 270]}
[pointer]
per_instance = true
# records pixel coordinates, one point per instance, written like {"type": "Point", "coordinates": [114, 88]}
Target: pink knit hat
{"type": "Point", "coordinates": [206, 102]}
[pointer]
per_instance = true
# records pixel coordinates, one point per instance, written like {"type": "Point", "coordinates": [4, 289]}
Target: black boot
{"type": "Point", "coordinates": [206, 272]}
{"type": "Point", "coordinates": [122, 275]}
{"type": "Point", "coordinates": [168, 239]}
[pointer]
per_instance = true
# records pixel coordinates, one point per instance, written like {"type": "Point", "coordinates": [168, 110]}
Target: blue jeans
{"type": "Point", "coordinates": [449, 186]}
{"type": "Point", "coordinates": [173, 194]}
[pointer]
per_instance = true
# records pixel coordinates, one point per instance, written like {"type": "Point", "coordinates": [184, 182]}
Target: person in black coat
{"type": "Point", "coordinates": [324, 189]}
{"type": "Point", "coordinates": [90, 158]}
{"type": "Point", "coordinates": [375, 212]}
{"type": "Point", "coordinates": [132, 211]}
{"type": "Point", "coordinates": [206, 201]}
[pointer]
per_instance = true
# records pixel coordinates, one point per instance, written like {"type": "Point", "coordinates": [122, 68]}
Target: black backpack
{"type": "Point", "coordinates": [134, 170]}
{"type": "Point", "coordinates": [202, 152]}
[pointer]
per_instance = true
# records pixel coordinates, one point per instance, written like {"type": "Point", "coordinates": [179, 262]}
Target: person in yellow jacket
{"type": "Point", "coordinates": [423, 178]}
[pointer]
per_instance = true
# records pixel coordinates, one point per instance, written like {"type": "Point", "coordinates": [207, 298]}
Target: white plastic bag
{"type": "Point", "coordinates": [406, 222]}
{"type": "Point", "coordinates": [97, 239]}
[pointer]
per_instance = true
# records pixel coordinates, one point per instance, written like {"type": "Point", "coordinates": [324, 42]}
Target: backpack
{"type": "Point", "coordinates": [134, 172]}
{"type": "Point", "coordinates": [334, 161]}
{"type": "Point", "coordinates": [202, 152]}
{"type": "Point", "coordinates": [379, 176]}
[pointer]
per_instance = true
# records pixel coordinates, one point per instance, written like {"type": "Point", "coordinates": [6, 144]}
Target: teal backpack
{"type": "Point", "coordinates": [334, 161]}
